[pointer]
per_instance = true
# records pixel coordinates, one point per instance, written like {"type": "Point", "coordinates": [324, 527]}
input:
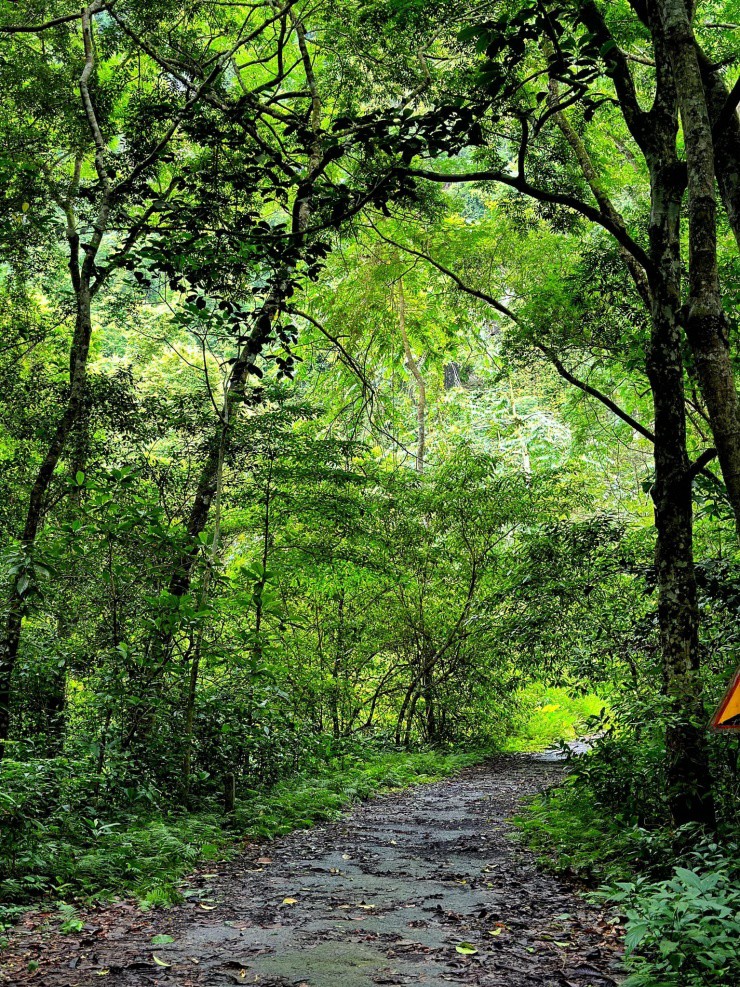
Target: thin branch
{"type": "Point", "coordinates": [482, 295]}
{"type": "Point", "coordinates": [594, 183]}
{"type": "Point", "coordinates": [599, 395]}
{"type": "Point", "coordinates": [348, 358]}
{"type": "Point", "coordinates": [544, 195]}
{"type": "Point", "coordinates": [549, 353]}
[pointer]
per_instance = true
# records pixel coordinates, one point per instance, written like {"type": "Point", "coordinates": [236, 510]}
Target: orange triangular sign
{"type": "Point", "coordinates": [727, 716]}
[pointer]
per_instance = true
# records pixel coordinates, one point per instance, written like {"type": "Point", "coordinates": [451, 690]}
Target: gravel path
{"type": "Point", "coordinates": [384, 897]}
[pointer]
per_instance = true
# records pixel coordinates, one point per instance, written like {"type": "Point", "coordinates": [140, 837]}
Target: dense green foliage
{"type": "Point", "coordinates": [368, 385]}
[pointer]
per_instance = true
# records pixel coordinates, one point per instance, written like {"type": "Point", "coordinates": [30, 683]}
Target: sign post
{"type": "Point", "coordinates": [727, 716]}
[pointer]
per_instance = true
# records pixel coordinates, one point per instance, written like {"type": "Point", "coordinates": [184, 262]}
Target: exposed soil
{"type": "Point", "coordinates": [383, 897]}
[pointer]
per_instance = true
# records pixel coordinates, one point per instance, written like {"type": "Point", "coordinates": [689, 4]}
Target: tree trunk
{"type": "Point", "coordinates": [704, 317]}
{"type": "Point", "coordinates": [229, 793]}
{"type": "Point", "coordinates": [452, 376]}
{"type": "Point", "coordinates": [430, 716]}
{"type": "Point", "coordinates": [688, 777]}
{"type": "Point", "coordinates": [421, 390]}
{"type": "Point", "coordinates": [275, 301]}
{"type": "Point", "coordinates": [726, 139]}
{"type": "Point", "coordinates": [82, 277]}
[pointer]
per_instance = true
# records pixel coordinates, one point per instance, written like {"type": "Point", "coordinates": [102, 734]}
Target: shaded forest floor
{"type": "Point", "coordinates": [422, 887]}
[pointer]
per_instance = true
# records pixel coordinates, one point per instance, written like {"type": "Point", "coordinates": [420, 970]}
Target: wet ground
{"type": "Point", "coordinates": [420, 888]}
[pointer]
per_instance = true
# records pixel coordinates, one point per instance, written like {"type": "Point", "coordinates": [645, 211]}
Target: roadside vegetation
{"type": "Point", "coordinates": [677, 888]}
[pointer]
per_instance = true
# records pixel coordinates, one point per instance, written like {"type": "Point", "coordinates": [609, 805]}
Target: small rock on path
{"type": "Point", "coordinates": [382, 897]}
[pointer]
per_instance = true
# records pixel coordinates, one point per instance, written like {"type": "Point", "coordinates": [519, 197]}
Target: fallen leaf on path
{"type": "Point", "coordinates": [290, 901]}
{"type": "Point", "coordinates": [160, 962]}
{"type": "Point", "coordinates": [466, 948]}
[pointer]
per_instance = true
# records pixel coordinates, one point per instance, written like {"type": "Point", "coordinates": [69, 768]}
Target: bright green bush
{"type": "Point", "coordinates": [572, 835]}
{"type": "Point", "coordinates": [546, 715]}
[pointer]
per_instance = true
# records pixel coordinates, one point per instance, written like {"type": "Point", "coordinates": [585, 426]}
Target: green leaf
{"type": "Point", "coordinates": [466, 948]}
{"type": "Point", "coordinates": [161, 940]}
{"type": "Point", "coordinates": [635, 935]}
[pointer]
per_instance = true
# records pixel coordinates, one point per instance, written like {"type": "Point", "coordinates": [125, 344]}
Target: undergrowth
{"type": "Point", "coordinates": [677, 890]}
{"type": "Point", "coordinates": [48, 852]}
{"type": "Point", "coordinates": [300, 802]}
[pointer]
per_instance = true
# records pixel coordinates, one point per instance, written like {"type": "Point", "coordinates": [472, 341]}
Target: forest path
{"type": "Point", "coordinates": [382, 897]}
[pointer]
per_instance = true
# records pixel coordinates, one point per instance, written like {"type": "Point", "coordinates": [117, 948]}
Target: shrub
{"type": "Point", "coordinates": [683, 932]}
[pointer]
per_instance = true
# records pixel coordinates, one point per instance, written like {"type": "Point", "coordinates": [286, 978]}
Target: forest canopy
{"type": "Point", "coordinates": [368, 369]}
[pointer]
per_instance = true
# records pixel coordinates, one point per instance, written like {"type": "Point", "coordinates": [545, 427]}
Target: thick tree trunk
{"type": "Point", "coordinates": [689, 784]}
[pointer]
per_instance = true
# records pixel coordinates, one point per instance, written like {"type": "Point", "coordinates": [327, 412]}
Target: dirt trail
{"type": "Point", "coordinates": [381, 898]}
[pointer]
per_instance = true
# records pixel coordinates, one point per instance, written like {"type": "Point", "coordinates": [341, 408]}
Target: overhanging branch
{"type": "Point", "coordinates": [522, 185]}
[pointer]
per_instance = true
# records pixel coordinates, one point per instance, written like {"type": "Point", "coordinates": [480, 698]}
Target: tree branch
{"type": "Point", "coordinates": [543, 195]}
{"type": "Point", "coordinates": [482, 295]}
{"type": "Point", "coordinates": [599, 395]}
{"type": "Point", "coordinates": [618, 69]}
{"type": "Point", "coordinates": [549, 353]}
{"type": "Point", "coordinates": [727, 111]}
{"type": "Point", "coordinates": [698, 465]}
{"type": "Point", "coordinates": [348, 358]}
